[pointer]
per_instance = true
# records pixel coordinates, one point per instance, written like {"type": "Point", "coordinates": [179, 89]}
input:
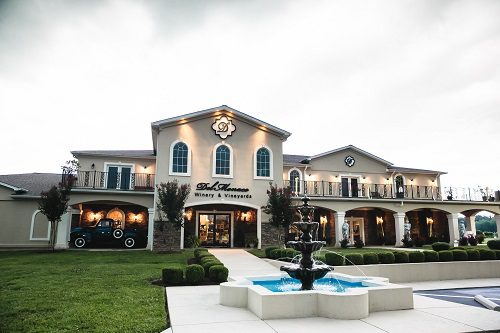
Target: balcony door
{"type": "Point", "coordinates": [214, 229]}
{"type": "Point", "coordinates": [350, 187]}
{"type": "Point", "coordinates": [119, 176]}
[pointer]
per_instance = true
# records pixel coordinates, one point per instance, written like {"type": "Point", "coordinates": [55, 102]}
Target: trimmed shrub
{"type": "Point", "coordinates": [431, 256]}
{"type": "Point", "coordinates": [440, 246]}
{"type": "Point", "coordinates": [344, 243]}
{"type": "Point", "coordinates": [401, 257]}
{"type": "Point", "coordinates": [460, 255]}
{"type": "Point", "coordinates": [202, 255]}
{"type": "Point", "coordinates": [275, 254]}
{"type": "Point", "coordinates": [199, 250]}
{"type": "Point", "coordinates": [480, 237]}
{"type": "Point", "coordinates": [268, 250]}
{"type": "Point", "coordinates": [473, 254]}
{"type": "Point", "coordinates": [485, 254]}
{"type": "Point", "coordinates": [416, 256]}
{"type": "Point", "coordinates": [359, 243]}
{"type": "Point", "coordinates": [445, 255]}
{"type": "Point", "coordinates": [370, 258]}
{"type": "Point", "coordinates": [206, 266]}
{"type": "Point", "coordinates": [494, 244]}
{"type": "Point", "coordinates": [208, 258]}
{"type": "Point", "coordinates": [319, 258]}
{"type": "Point", "coordinates": [463, 241]}
{"type": "Point", "coordinates": [218, 273]}
{"type": "Point", "coordinates": [354, 259]}
{"type": "Point", "coordinates": [289, 253]}
{"type": "Point", "coordinates": [489, 234]}
{"type": "Point", "coordinates": [172, 275]}
{"type": "Point", "coordinates": [194, 274]}
{"type": "Point", "coordinates": [472, 240]}
{"type": "Point", "coordinates": [386, 258]}
{"type": "Point", "coordinates": [334, 259]}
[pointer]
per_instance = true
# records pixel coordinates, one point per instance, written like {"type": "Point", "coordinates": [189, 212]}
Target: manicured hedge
{"type": "Point", "coordinates": [370, 258]}
{"type": "Point", "coordinates": [199, 250]}
{"type": "Point", "coordinates": [173, 275]}
{"type": "Point", "coordinates": [386, 258]}
{"type": "Point", "coordinates": [354, 259]}
{"type": "Point", "coordinates": [445, 255]}
{"type": "Point", "coordinates": [473, 254]}
{"type": "Point", "coordinates": [460, 255]}
{"type": "Point", "coordinates": [431, 256]}
{"type": "Point", "coordinates": [290, 253]}
{"type": "Point", "coordinates": [218, 273]}
{"type": "Point", "coordinates": [494, 244]}
{"type": "Point", "coordinates": [208, 258]}
{"type": "Point", "coordinates": [497, 253]}
{"type": "Point", "coordinates": [194, 274]}
{"type": "Point", "coordinates": [401, 257]}
{"type": "Point", "coordinates": [485, 254]}
{"type": "Point", "coordinates": [440, 246]}
{"type": "Point", "coordinates": [206, 266]}
{"type": "Point", "coordinates": [276, 254]}
{"type": "Point", "coordinates": [204, 254]}
{"type": "Point", "coordinates": [416, 256]}
{"type": "Point", "coordinates": [268, 250]}
{"type": "Point", "coordinates": [334, 259]}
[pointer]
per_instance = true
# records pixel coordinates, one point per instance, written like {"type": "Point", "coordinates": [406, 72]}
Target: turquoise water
{"type": "Point", "coordinates": [289, 284]}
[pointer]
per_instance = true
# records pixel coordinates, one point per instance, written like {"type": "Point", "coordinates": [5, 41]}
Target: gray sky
{"type": "Point", "coordinates": [414, 82]}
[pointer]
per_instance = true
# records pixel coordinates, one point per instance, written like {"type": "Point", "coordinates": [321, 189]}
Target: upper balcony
{"type": "Point", "coordinates": [388, 191]}
{"type": "Point", "coordinates": [121, 181]}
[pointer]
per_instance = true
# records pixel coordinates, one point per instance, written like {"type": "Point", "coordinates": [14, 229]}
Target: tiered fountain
{"type": "Point", "coordinates": [306, 271]}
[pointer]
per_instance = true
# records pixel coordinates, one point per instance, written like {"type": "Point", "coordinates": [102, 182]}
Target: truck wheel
{"type": "Point", "coordinates": [80, 242]}
{"type": "Point", "coordinates": [129, 242]}
{"type": "Point", "coordinates": [117, 233]}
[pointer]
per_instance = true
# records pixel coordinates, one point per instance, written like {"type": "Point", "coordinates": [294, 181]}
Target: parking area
{"type": "Point", "coordinates": [463, 295]}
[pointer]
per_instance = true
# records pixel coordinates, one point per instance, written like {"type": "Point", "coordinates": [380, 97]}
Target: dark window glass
{"type": "Point", "coordinates": [222, 160]}
{"type": "Point", "coordinates": [263, 163]}
{"type": "Point", "coordinates": [180, 158]}
{"type": "Point", "coordinates": [295, 181]}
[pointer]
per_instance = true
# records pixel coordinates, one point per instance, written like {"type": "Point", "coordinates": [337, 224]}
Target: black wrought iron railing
{"type": "Point", "coordinates": [362, 190]}
{"type": "Point", "coordinates": [125, 181]}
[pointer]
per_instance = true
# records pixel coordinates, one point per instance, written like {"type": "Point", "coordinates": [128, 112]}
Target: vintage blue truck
{"type": "Point", "coordinates": [105, 232]}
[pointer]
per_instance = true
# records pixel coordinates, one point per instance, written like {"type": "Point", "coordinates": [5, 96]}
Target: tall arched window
{"type": "Point", "coordinates": [180, 163]}
{"type": "Point", "coordinates": [223, 161]}
{"type": "Point", "coordinates": [399, 185]}
{"type": "Point", "coordinates": [294, 177]}
{"type": "Point", "coordinates": [263, 163]}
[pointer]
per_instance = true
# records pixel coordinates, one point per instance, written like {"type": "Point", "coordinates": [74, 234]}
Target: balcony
{"type": "Point", "coordinates": [125, 181]}
{"type": "Point", "coordinates": [385, 191]}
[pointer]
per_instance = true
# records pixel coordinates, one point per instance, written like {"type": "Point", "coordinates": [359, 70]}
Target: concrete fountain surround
{"type": "Point", "coordinates": [356, 303]}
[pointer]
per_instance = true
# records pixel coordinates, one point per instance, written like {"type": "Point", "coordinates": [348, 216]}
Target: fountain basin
{"type": "Point", "coordinates": [377, 294]}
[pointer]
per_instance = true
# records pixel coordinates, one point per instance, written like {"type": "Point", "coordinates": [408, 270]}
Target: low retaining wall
{"type": "Point", "coordinates": [426, 271]}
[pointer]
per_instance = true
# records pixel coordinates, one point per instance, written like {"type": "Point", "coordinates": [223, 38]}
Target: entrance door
{"type": "Point", "coordinates": [119, 177]}
{"type": "Point", "coordinates": [356, 228]}
{"type": "Point", "coordinates": [214, 229]}
{"type": "Point", "coordinates": [349, 187]}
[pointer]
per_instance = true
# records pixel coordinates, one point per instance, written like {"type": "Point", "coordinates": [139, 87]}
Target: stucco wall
{"type": "Point", "coordinates": [99, 163]}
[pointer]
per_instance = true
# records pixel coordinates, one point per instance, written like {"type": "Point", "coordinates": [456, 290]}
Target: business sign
{"type": "Point", "coordinates": [221, 191]}
{"type": "Point", "coordinates": [223, 127]}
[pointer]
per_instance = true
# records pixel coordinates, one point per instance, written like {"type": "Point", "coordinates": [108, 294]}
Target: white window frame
{"type": "Point", "coordinates": [231, 161]}
{"type": "Point", "coordinates": [394, 189]}
{"type": "Point", "coordinates": [271, 163]}
{"type": "Point", "coordinates": [33, 219]}
{"type": "Point", "coordinates": [171, 164]}
{"type": "Point", "coordinates": [300, 179]}
{"type": "Point", "coordinates": [120, 165]}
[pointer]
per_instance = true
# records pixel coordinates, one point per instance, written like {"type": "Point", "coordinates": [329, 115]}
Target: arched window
{"type": "Point", "coordinates": [180, 163]}
{"type": "Point", "coordinates": [294, 177]}
{"type": "Point", "coordinates": [223, 161]}
{"type": "Point", "coordinates": [399, 185]}
{"type": "Point", "coordinates": [263, 163]}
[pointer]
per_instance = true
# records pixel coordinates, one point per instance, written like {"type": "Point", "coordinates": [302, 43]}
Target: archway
{"type": "Point", "coordinates": [372, 225]}
{"type": "Point", "coordinates": [428, 225]}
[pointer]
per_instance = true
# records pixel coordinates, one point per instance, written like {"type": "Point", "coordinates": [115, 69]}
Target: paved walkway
{"type": "Point", "coordinates": [197, 309]}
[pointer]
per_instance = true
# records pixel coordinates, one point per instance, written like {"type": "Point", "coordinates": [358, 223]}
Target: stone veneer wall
{"type": "Point", "coordinates": [270, 236]}
{"type": "Point", "coordinates": [167, 240]}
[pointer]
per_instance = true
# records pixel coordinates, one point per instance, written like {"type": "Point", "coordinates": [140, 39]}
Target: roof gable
{"type": "Point", "coordinates": [217, 111]}
{"type": "Point", "coordinates": [354, 148]}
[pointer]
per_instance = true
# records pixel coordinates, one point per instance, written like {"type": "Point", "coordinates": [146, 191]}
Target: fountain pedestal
{"type": "Point", "coordinates": [306, 271]}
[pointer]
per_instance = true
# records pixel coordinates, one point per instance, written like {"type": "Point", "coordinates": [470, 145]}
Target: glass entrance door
{"type": "Point", "coordinates": [214, 229]}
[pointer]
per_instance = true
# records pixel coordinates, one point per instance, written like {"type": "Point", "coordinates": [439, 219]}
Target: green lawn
{"type": "Point", "coordinates": [85, 291]}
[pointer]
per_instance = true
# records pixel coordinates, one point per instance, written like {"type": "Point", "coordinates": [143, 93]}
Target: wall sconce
{"type": "Point", "coordinates": [188, 214]}
{"type": "Point", "coordinates": [92, 166]}
{"type": "Point", "coordinates": [411, 180]}
{"type": "Point", "coordinates": [364, 177]}
{"type": "Point", "coordinates": [430, 222]}
{"type": "Point", "coordinates": [244, 216]}
{"type": "Point", "coordinates": [387, 179]}
{"type": "Point", "coordinates": [433, 180]}
{"type": "Point", "coordinates": [145, 167]}
{"type": "Point", "coordinates": [380, 220]}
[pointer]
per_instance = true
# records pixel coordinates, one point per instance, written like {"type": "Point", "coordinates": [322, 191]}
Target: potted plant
{"type": "Point", "coordinates": [450, 194]}
{"type": "Point", "coordinates": [253, 242]}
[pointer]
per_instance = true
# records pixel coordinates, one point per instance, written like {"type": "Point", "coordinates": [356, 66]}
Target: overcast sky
{"type": "Point", "coordinates": [414, 82]}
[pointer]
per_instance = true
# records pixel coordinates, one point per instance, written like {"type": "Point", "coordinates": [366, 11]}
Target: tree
{"type": "Point", "coordinates": [54, 202]}
{"type": "Point", "coordinates": [170, 205]}
{"type": "Point", "coordinates": [279, 207]}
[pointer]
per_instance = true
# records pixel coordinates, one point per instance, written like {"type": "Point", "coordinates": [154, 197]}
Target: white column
{"type": "Point", "coordinates": [181, 245]}
{"type": "Point", "coordinates": [151, 227]}
{"type": "Point", "coordinates": [259, 227]}
{"type": "Point", "coordinates": [64, 229]}
{"type": "Point", "coordinates": [497, 219]}
{"type": "Point", "coordinates": [399, 225]}
{"type": "Point", "coordinates": [339, 221]}
{"type": "Point", "coordinates": [453, 227]}
{"type": "Point", "coordinates": [470, 222]}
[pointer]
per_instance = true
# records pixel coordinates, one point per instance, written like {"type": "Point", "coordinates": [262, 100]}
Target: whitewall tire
{"type": "Point", "coordinates": [129, 242]}
{"type": "Point", "coordinates": [80, 242]}
{"type": "Point", "coordinates": [118, 233]}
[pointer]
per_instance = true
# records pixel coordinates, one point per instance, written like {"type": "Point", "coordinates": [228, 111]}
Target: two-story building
{"type": "Point", "coordinates": [229, 160]}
